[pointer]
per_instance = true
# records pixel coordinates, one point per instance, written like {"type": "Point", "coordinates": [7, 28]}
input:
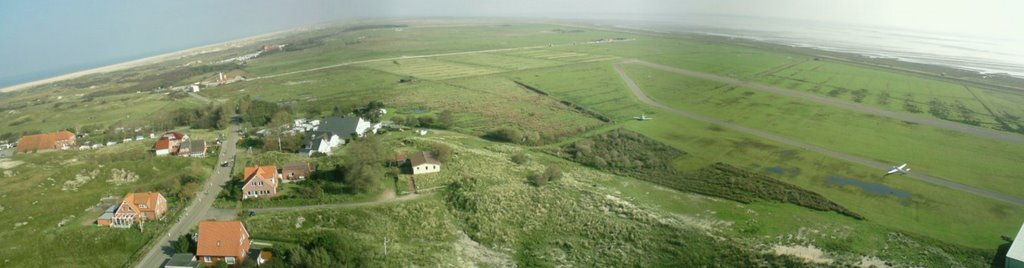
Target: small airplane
{"type": "Point", "coordinates": [902, 169]}
{"type": "Point", "coordinates": [643, 117]}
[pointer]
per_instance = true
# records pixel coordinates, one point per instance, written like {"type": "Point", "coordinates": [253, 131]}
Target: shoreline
{"type": "Point", "coordinates": [153, 59]}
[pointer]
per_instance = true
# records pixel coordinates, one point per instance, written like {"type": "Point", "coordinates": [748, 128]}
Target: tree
{"type": "Point", "coordinates": [280, 118]}
{"type": "Point", "coordinates": [184, 244]}
{"type": "Point", "coordinates": [243, 104]}
{"type": "Point", "coordinates": [426, 120]}
{"type": "Point", "coordinates": [506, 134]}
{"type": "Point", "coordinates": [445, 120]}
{"type": "Point", "coordinates": [442, 152]}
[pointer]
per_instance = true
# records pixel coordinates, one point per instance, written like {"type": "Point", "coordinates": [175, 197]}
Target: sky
{"type": "Point", "coordinates": [45, 38]}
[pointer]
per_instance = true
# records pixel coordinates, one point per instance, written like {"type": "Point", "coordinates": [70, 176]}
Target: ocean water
{"type": "Point", "coordinates": [986, 55]}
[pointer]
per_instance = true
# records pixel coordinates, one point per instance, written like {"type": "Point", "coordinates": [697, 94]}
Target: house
{"type": "Point", "coordinates": [60, 140]}
{"type": "Point", "coordinates": [126, 140]}
{"type": "Point", "coordinates": [421, 132]}
{"type": "Point", "coordinates": [182, 260]}
{"type": "Point", "coordinates": [111, 143]}
{"type": "Point", "coordinates": [162, 147]}
{"type": "Point", "coordinates": [222, 241]}
{"type": "Point", "coordinates": [260, 181]}
{"type": "Point", "coordinates": [139, 137]}
{"type": "Point", "coordinates": [423, 162]}
{"type": "Point", "coordinates": [296, 171]}
{"type": "Point", "coordinates": [169, 143]}
{"type": "Point", "coordinates": [333, 132]}
{"type": "Point", "coordinates": [84, 147]}
{"type": "Point", "coordinates": [1015, 255]}
{"type": "Point", "coordinates": [193, 148]}
{"type": "Point", "coordinates": [194, 88]}
{"type": "Point", "coordinates": [135, 208]}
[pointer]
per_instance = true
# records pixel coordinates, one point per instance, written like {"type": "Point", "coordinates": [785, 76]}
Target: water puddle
{"type": "Point", "coordinates": [869, 187]}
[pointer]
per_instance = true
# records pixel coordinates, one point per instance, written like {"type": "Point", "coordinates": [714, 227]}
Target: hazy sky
{"type": "Point", "coordinates": [47, 38]}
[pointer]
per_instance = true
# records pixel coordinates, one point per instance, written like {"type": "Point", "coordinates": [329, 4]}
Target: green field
{"type": "Point", "coordinates": [471, 69]}
{"type": "Point", "coordinates": [43, 190]}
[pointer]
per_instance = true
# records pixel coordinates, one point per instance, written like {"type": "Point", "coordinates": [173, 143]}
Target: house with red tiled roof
{"type": "Point", "coordinates": [296, 171]}
{"type": "Point", "coordinates": [60, 140]}
{"type": "Point", "coordinates": [169, 143]}
{"type": "Point", "coordinates": [260, 181]}
{"type": "Point", "coordinates": [222, 241]}
{"type": "Point", "coordinates": [135, 208]}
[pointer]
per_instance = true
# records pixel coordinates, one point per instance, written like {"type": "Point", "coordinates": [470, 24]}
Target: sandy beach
{"type": "Point", "coordinates": [155, 59]}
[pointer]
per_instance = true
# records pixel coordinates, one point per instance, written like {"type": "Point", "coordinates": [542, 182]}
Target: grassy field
{"type": "Point", "coordinates": [937, 152]}
{"type": "Point", "coordinates": [480, 89]}
{"type": "Point", "coordinates": [50, 201]}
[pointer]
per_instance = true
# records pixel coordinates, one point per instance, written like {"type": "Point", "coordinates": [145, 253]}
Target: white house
{"type": "Point", "coordinates": [194, 87]}
{"type": "Point", "coordinates": [424, 162]}
{"type": "Point", "coordinates": [1015, 256]}
{"type": "Point", "coordinates": [333, 132]}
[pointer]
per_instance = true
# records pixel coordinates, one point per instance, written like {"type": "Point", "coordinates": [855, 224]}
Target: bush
{"type": "Point", "coordinates": [553, 172]}
{"type": "Point", "coordinates": [519, 158]}
{"type": "Point", "coordinates": [537, 179]}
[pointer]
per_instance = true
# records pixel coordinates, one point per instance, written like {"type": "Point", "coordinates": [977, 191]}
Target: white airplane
{"type": "Point", "coordinates": [902, 169]}
{"type": "Point", "coordinates": [642, 117]}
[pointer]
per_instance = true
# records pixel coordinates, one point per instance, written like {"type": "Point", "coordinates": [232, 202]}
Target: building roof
{"type": "Point", "coordinates": [420, 158]}
{"type": "Point", "coordinates": [263, 172]}
{"type": "Point", "coordinates": [221, 238]}
{"type": "Point", "coordinates": [194, 146]}
{"type": "Point", "coordinates": [174, 134]}
{"type": "Point", "coordinates": [341, 126]}
{"type": "Point", "coordinates": [43, 141]}
{"type": "Point", "coordinates": [136, 200]}
{"type": "Point", "coordinates": [182, 260]}
{"type": "Point", "coordinates": [1016, 251]}
{"type": "Point", "coordinates": [162, 143]}
{"type": "Point", "coordinates": [298, 166]}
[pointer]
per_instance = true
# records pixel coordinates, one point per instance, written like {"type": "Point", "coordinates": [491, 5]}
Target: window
{"type": "Point", "coordinates": [143, 206]}
{"type": "Point", "coordinates": [229, 260]}
{"type": "Point", "coordinates": [207, 259]}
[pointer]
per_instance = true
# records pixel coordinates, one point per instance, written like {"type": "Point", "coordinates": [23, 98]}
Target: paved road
{"type": "Point", "coordinates": [935, 122]}
{"type": "Point", "coordinates": [810, 147]}
{"type": "Point", "coordinates": [197, 210]}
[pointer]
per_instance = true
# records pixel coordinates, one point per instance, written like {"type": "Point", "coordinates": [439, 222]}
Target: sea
{"type": "Point", "coordinates": [985, 55]}
{"type": "Point", "coordinates": [982, 54]}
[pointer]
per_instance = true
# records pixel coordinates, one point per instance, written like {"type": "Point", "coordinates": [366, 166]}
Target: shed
{"type": "Point", "coordinates": [182, 260]}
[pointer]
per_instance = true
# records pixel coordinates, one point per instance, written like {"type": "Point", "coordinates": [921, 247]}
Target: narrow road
{"type": "Point", "coordinates": [841, 103]}
{"type": "Point", "coordinates": [200, 97]}
{"type": "Point", "coordinates": [430, 56]}
{"type": "Point", "coordinates": [810, 147]}
{"type": "Point", "coordinates": [197, 209]}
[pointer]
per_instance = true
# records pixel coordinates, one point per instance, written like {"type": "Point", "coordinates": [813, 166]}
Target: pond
{"type": "Point", "coordinates": [869, 187]}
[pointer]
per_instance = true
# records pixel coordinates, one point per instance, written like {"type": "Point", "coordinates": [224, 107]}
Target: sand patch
{"type": "Point", "coordinates": [472, 254]}
{"type": "Point", "coordinates": [809, 253]}
{"type": "Point", "coordinates": [872, 261]}
{"type": "Point", "coordinates": [9, 164]}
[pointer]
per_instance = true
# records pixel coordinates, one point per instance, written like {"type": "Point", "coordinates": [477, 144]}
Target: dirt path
{"type": "Point", "coordinates": [849, 105]}
{"type": "Point", "coordinates": [430, 56]}
{"type": "Point", "coordinates": [343, 205]}
{"type": "Point", "coordinates": [806, 146]}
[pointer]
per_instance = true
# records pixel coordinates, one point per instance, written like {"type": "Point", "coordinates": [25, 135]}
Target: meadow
{"type": "Point", "coordinates": [483, 211]}
{"type": "Point", "coordinates": [51, 200]}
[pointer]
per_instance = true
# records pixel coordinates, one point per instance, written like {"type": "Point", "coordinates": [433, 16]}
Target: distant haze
{"type": "Point", "coordinates": [40, 39]}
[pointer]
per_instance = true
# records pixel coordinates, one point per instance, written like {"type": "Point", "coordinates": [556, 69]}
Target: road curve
{"type": "Point", "coordinates": [196, 210]}
{"type": "Point", "coordinates": [841, 103]}
{"type": "Point", "coordinates": [791, 142]}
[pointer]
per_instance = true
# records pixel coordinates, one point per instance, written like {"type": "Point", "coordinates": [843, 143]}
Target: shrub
{"type": "Point", "coordinates": [519, 158]}
{"type": "Point", "coordinates": [442, 152]}
{"type": "Point", "coordinates": [537, 179]}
